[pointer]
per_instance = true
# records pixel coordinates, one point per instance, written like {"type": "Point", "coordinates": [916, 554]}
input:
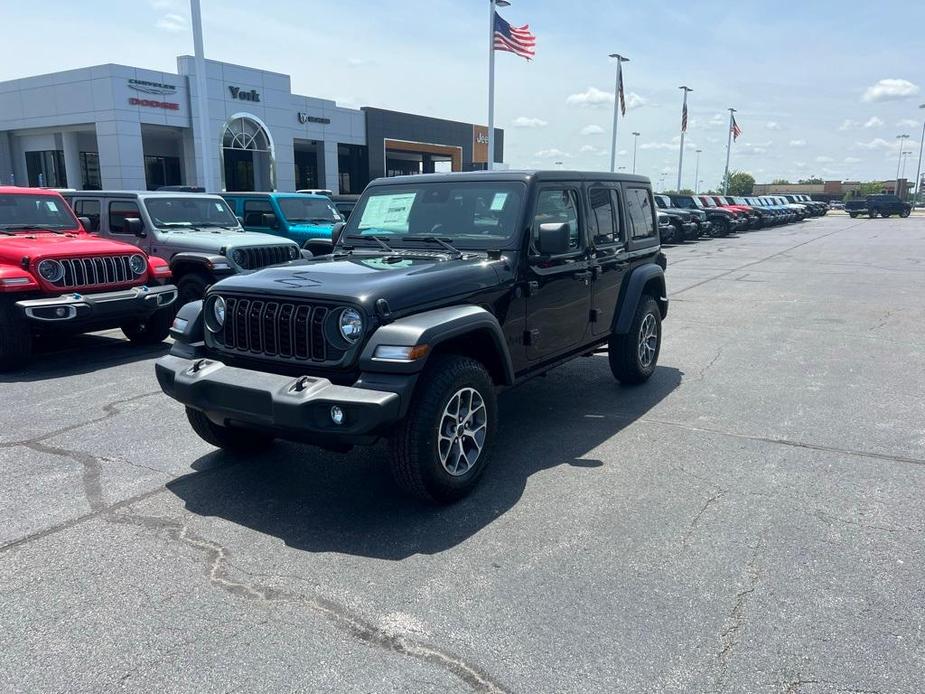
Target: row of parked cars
{"type": "Point", "coordinates": [688, 217]}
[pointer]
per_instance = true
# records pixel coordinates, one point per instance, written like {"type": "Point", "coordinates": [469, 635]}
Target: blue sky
{"type": "Point", "coordinates": [823, 88]}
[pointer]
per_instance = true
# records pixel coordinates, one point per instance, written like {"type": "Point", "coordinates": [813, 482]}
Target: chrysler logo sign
{"type": "Point", "coordinates": [305, 118]}
{"type": "Point", "coordinates": [152, 87]}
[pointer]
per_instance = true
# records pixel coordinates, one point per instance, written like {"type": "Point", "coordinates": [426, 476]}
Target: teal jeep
{"type": "Point", "coordinates": [296, 216]}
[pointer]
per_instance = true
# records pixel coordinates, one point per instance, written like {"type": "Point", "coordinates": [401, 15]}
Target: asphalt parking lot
{"type": "Point", "coordinates": [751, 520]}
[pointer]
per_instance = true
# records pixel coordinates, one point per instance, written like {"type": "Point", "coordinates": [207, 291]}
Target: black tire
{"type": "Point", "coordinates": [191, 287]}
{"type": "Point", "coordinates": [227, 438]}
{"type": "Point", "coordinates": [905, 213]}
{"type": "Point", "coordinates": [152, 330]}
{"type": "Point", "coordinates": [872, 214]}
{"type": "Point", "coordinates": [677, 233]}
{"type": "Point", "coordinates": [720, 228]}
{"type": "Point", "coordinates": [15, 339]}
{"type": "Point", "coordinates": [416, 445]}
{"type": "Point", "coordinates": [885, 215]}
{"type": "Point", "coordinates": [853, 215]}
{"type": "Point", "coordinates": [626, 363]}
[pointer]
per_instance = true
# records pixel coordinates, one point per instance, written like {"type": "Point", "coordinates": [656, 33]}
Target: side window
{"type": "Point", "coordinates": [118, 213]}
{"type": "Point", "coordinates": [639, 212]}
{"type": "Point", "coordinates": [605, 210]}
{"type": "Point", "coordinates": [254, 211]}
{"type": "Point", "coordinates": [558, 205]}
{"type": "Point", "coordinates": [89, 209]}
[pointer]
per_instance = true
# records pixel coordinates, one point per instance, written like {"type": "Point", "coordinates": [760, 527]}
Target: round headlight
{"type": "Point", "coordinates": [350, 324]}
{"type": "Point", "coordinates": [138, 263]}
{"type": "Point", "coordinates": [51, 270]}
{"type": "Point", "coordinates": [237, 256]}
{"type": "Point", "coordinates": [218, 311]}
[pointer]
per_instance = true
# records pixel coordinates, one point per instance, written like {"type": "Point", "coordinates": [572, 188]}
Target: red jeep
{"type": "Point", "coordinates": [56, 278]}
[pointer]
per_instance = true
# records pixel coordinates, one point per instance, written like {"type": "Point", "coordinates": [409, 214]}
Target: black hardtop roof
{"type": "Point", "coordinates": [525, 176]}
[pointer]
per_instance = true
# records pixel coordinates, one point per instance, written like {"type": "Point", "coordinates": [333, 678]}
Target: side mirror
{"type": "Point", "coordinates": [336, 231]}
{"type": "Point", "coordinates": [135, 226]}
{"type": "Point", "coordinates": [86, 223]}
{"type": "Point", "coordinates": [554, 238]}
{"type": "Point", "coordinates": [318, 247]}
{"type": "Point", "coordinates": [240, 220]}
{"type": "Point", "coordinates": [269, 220]}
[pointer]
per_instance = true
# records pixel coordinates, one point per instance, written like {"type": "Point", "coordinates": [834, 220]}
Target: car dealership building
{"type": "Point", "coordinates": [123, 128]}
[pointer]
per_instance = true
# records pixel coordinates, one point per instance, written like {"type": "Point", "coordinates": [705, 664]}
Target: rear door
{"type": "Point", "coordinates": [559, 289]}
{"type": "Point", "coordinates": [609, 259]}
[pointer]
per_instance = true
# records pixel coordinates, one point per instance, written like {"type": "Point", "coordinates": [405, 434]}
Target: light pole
{"type": "Point", "coordinates": [728, 152]}
{"type": "Point", "coordinates": [697, 174]}
{"type": "Point", "coordinates": [902, 141]}
{"type": "Point", "coordinates": [635, 143]}
{"type": "Point", "coordinates": [204, 143]}
{"type": "Point", "coordinates": [683, 131]}
{"type": "Point", "coordinates": [616, 108]}
{"type": "Point", "coordinates": [918, 169]}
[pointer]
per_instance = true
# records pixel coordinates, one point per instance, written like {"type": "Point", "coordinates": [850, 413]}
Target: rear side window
{"type": "Point", "coordinates": [639, 213]}
{"type": "Point", "coordinates": [254, 211]}
{"type": "Point", "coordinates": [89, 209]}
{"type": "Point", "coordinates": [605, 215]}
{"type": "Point", "coordinates": [119, 212]}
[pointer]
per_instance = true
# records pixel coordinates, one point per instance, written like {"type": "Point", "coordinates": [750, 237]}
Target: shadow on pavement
{"type": "Point", "coordinates": [324, 502]}
{"type": "Point", "coordinates": [73, 355]}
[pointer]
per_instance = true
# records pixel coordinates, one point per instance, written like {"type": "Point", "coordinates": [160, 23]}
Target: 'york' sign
{"type": "Point", "coordinates": [236, 93]}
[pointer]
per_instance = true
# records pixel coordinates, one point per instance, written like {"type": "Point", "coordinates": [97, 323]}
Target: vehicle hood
{"type": "Point", "coordinates": [49, 245]}
{"type": "Point", "coordinates": [214, 240]}
{"type": "Point", "coordinates": [403, 280]}
{"type": "Point", "coordinates": [683, 215]}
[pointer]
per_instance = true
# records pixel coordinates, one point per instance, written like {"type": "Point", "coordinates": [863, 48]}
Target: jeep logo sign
{"type": "Point", "coordinates": [252, 95]}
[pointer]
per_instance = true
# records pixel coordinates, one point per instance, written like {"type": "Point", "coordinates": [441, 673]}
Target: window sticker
{"type": "Point", "coordinates": [388, 212]}
{"type": "Point", "coordinates": [497, 203]}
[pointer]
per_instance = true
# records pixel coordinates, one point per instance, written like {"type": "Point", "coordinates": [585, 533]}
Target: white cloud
{"type": "Point", "coordinates": [853, 160]}
{"type": "Point", "coordinates": [800, 164]}
{"type": "Point", "coordinates": [717, 120]}
{"type": "Point", "coordinates": [592, 130]}
{"type": "Point", "coordinates": [772, 125]}
{"type": "Point", "coordinates": [890, 90]}
{"type": "Point", "coordinates": [797, 143]}
{"type": "Point", "coordinates": [908, 123]}
{"type": "Point", "coordinates": [659, 145]}
{"type": "Point", "coordinates": [552, 153]}
{"type": "Point", "coordinates": [525, 122]}
{"type": "Point", "coordinates": [591, 149]}
{"type": "Point", "coordinates": [172, 22]}
{"type": "Point", "coordinates": [595, 98]}
{"type": "Point", "coordinates": [876, 143]}
{"type": "Point", "coordinates": [873, 122]}
{"type": "Point", "coordinates": [360, 62]}
{"type": "Point", "coordinates": [849, 125]}
{"type": "Point", "coordinates": [824, 160]}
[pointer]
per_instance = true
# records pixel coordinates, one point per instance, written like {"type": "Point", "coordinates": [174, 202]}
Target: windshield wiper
{"type": "Point", "coordinates": [29, 227]}
{"type": "Point", "coordinates": [360, 237]}
{"type": "Point", "coordinates": [445, 242]}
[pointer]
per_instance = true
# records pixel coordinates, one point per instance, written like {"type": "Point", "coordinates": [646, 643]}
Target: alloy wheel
{"type": "Point", "coordinates": [461, 431]}
{"type": "Point", "coordinates": [648, 341]}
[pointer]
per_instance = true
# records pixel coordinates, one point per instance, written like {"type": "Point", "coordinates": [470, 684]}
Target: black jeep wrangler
{"type": "Point", "coordinates": [440, 291]}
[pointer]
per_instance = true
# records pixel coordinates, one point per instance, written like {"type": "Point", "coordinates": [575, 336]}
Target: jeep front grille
{"type": "Point", "coordinates": [257, 257]}
{"type": "Point", "coordinates": [99, 270]}
{"type": "Point", "coordinates": [278, 329]}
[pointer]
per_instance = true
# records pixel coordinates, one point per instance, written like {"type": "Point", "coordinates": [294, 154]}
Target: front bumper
{"type": "Point", "coordinates": [105, 307]}
{"type": "Point", "coordinates": [296, 408]}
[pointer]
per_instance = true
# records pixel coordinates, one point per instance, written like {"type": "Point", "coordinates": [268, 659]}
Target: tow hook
{"type": "Point", "coordinates": [197, 366]}
{"type": "Point", "coordinates": [301, 384]}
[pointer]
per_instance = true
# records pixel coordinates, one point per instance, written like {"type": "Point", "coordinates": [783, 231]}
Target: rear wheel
{"type": "Point", "coordinates": [15, 338]}
{"type": "Point", "coordinates": [441, 448]}
{"type": "Point", "coordinates": [853, 215]}
{"type": "Point", "coordinates": [872, 214]}
{"type": "Point", "coordinates": [720, 228]}
{"type": "Point", "coordinates": [152, 330]}
{"type": "Point", "coordinates": [633, 356]}
{"type": "Point", "coordinates": [227, 438]}
{"type": "Point", "coordinates": [885, 215]}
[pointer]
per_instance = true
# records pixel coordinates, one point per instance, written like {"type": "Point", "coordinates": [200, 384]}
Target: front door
{"type": "Point", "coordinates": [609, 260]}
{"type": "Point", "coordinates": [559, 288]}
{"type": "Point", "coordinates": [239, 170]}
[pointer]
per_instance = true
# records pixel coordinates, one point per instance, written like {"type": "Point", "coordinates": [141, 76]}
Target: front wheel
{"type": "Point", "coordinates": [634, 355]}
{"type": "Point", "coordinates": [227, 438]}
{"type": "Point", "coordinates": [905, 213]}
{"type": "Point", "coordinates": [152, 330]}
{"type": "Point", "coordinates": [15, 339]}
{"type": "Point", "coordinates": [720, 228]}
{"type": "Point", "coordinates": [885, 215]}
{"type": "Point", "coordinates": [190, 288]}
{"type": "Point", "coordinates": [442, 447]}
{"type": "Point", "coordinates": [872, 214]}
{"type": "Point", "coordinates": [853, 215]}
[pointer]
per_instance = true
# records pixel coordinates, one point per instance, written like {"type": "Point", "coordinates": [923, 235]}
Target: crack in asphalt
{"type": "Point", "coordinates": [91, 465]}
{"type": "Point", "coordinates": [703, 509]}
{"type": "Point", "coordinates": [217, 571]}
{"type": "Point", "coordinates": [736, 620]}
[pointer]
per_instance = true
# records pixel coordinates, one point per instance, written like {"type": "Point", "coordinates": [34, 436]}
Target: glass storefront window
{"type": "Point", "coordinates": [162, 171]}
{"type": "Point", "coordinates": [46, 169]}
{"type": "Point", "coordinates": [90, 171]}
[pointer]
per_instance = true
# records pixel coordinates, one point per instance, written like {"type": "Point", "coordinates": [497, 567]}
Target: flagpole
{"type": "Point", "coordinates": [491, 86]}
{"type": "Point", "coordinates": [728, 152]}
{"type": "Point", "coordinates": [683, 132]}
{"type": "Point", "coordinates": [616, 110]}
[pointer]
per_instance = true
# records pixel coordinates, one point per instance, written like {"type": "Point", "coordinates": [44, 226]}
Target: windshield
{"type": "Point", "coordinates": [469, 214]}
{"type": "Point", "coordinates": [686, 203]}
{"type": "Point", "coordinates": [708, 202]}
{"type": "Point", "coordinates": [663, 201]}
{"type": "Point", "coordinates": [190, 212]}
{"type": "Point", "coordinates": [309, 210]}
{"type": "Point", "coordinates": [28, 212]}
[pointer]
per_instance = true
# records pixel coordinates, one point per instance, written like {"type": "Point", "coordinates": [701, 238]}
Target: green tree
{"type": "Point", "coordinates": [739, 183]}
{"type": "Point", "coordinates": [812, 180]}
{"type": "Point", "coordinates": [781, 182]}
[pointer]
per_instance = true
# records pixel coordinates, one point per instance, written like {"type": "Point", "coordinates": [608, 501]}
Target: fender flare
{"type": "Point", "coordinates": [212, 263]}
{"type": "Point", "coordinates": [632, 291]}
{"type": "Point", "coordinates": [434, 328]}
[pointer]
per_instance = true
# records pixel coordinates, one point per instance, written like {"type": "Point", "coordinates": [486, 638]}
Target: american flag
{"type": "Point", "coordinates": [736, 130]}
{"type": "Point", "coordinates": [516, 40]}
{"type": "Point", "coordinates": [684, 119]}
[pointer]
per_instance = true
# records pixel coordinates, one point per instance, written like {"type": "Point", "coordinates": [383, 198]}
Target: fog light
{"type": "Point", "coordinates": [337, 415]}
{"type": "Point", "coordinates": [60, 312]}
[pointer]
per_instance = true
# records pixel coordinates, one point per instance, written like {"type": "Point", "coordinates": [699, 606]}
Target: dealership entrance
{"type": "Point", "coordinates": [403, 157]}
{"type": "Point", "coordinates": [248, 161]}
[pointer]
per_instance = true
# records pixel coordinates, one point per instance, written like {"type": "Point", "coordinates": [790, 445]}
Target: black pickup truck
{"type": "Point", "coordinates": [440, 291]}
{"type": "Point", "coordinates": [878, 206]}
